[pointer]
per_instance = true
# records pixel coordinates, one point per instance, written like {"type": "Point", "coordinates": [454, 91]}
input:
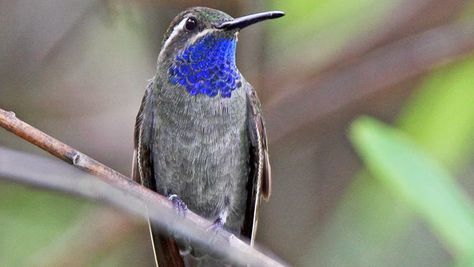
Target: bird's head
{"type": "Point", "coordinates": [198, 52]}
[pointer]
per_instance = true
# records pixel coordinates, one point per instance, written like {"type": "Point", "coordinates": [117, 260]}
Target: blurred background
{"type": "Point", "coordinates": [391, 190]}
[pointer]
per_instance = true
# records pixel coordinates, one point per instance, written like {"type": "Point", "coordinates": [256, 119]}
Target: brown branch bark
{"type": "Point", "coordinates": [9, 121]}
{"type": "Point", "coordinates": [119, 191]}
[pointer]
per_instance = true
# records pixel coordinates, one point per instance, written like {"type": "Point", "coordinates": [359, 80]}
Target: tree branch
{"type": "Point", "coordinates": [116, 190]}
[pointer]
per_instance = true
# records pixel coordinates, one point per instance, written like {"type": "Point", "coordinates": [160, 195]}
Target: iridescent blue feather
{"type": "Point", "coordinates": [207, 67]}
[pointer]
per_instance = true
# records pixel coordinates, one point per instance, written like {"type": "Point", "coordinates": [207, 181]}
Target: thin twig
{"type": "Point", "coordinates": [9, 121]}
{"type": "Point", "coordinates": [119, 191]}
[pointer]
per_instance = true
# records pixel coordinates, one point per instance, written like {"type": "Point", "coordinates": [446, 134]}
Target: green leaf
{"type": "Point", "coordinates": [440, 115]}
{"type": "Point", "coordinates": [415, 177]}
{"type": "Point", "coordinates": [370, 225]}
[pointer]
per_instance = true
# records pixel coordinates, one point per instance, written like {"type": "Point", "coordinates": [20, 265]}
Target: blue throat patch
{"type": "Point", "coordinates": [207, 67]}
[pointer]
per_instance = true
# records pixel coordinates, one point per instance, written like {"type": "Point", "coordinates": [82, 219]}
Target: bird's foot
{"type": "Point", "coordinates": [218, 224]}
{"type": "Point", "coordinates": [178, 204]}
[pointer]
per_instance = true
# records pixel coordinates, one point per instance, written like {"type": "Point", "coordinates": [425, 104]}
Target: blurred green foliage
{"type": "Point", "coordinates": [440, 116]}
{"type": "Point", "coordinates": [315, 31]}
{"type": "Point", "coordinates": [412, 175]}
{"type": "Point", "coordinates": [370, 219]}
{"type": "Point", "coordinates": [408, 182]}
{"type": "Point", "coordinates": [31, 220]}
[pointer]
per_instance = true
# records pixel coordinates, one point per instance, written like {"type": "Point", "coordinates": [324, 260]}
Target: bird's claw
{"type": "Point", "coordinates": [178, 204]}
{"type": "Point", "coordinates": [217, 225]}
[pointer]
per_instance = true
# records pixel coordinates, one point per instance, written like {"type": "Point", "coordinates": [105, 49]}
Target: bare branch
{"type": "Point", "coordinates": [58, 149]}
{"type": "Point", "coordinates": [117, 190]}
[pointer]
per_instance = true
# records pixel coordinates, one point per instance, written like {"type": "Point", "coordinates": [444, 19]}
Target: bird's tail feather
{"type": "Point", "coordinates": [165, 249]}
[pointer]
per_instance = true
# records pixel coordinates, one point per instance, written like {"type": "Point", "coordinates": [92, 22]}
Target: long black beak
{"type": "Point", "coordinates": [242, 22]}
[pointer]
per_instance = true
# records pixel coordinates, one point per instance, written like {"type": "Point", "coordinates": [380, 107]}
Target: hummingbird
{"type": "Point", "coordinates": [199, 135]}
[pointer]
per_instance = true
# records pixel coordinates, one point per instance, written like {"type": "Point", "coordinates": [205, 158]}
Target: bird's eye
{"type": "Point", "coordinates": [191, 24]}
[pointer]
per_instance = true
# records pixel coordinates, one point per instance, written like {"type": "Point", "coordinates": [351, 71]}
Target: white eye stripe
{"type": "Point", "coordinates": [201, 34]}
{"type": "Point", "coordinates": [177, 29]}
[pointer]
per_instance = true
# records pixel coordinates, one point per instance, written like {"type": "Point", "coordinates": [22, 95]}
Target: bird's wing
{"type": "Point", "coordinates": [165, 248]}
{"type": "Point", "coordinates": [259, 183]}
{"type": "Point", "coordinates": [142, 168]}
